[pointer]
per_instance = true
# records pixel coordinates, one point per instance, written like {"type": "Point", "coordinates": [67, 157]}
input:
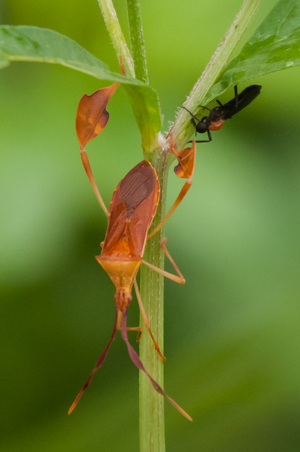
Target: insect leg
{"type": "Point", "coordinates": [205, 141]}
{"type": "Point", "coordinates": [89, 173]}
{"type": "Point", "coordinates": [179, 279]}
{"type": "Point", "coordinates": [188, 157]}
{"type": "Point", "coordinates": [134, 328]}
{"type": "Point", "coordinates": [98, 364]}
{"type": "Point", "coordinates": [138, 329]}
{"type": "Point", "coordinates": [193, 116]}
{"type": "Point", "coordinates": [138, 363]}
{"type": "Point", "coordinates": [194, 124]}
{"type": "Point", "coordinates": [145, 319]}
{"type": "Point", "coordinates": [206, 108]}
{"type": "Point", "coordinates": [180, 197]}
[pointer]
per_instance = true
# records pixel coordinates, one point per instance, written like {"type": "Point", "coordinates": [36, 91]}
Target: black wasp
{"type": "Point", "coordinates": [219, 114]}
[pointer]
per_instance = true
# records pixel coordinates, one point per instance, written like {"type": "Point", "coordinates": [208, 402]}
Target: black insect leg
{"type": "Point", "coordinates": [236, 96]}
{"type": "Point", "coordinates": [195, 123]}
{"type": "Point", "coordinates": [204, 107]}
{"type": "Point", "coordinates": [193, 116]}
{"type": "Point", "coordinates": [204, 141]}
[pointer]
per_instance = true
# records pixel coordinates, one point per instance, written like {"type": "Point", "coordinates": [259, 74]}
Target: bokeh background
{"type": "Point", "coordinates": [232, 332]}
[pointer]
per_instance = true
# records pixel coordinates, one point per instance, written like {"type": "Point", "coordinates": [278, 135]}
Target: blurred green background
{"type": "Point", "coordinates": [232, 332]}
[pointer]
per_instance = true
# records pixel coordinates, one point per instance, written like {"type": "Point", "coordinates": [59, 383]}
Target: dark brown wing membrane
{"type": "Point", "coordinates": [137, 186]}
{"type": "Point", "coordinates": [131, 212]}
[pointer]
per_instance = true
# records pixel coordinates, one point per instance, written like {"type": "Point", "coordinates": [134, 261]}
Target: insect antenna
{"type": "Point", "coordinates": [138, 363]}
{"type": "Point", "coordinates": [98, 364]}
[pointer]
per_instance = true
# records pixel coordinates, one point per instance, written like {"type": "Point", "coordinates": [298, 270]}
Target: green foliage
{"type": "Point", "coordinates": [274, 46]}
{"type": "Point", "coordinates": [23, 43]}
{"type": "Point", "coordinates": [232, 330]}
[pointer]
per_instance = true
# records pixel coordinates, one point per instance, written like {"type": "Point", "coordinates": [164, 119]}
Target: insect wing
{"type": "Point", "coordinates": [131, 212]}
{"type": "Point", "coordinates": [244, 98]}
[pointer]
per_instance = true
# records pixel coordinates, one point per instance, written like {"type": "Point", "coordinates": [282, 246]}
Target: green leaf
{"type": "Point", "coordinates": [275, 45]}
{"type": "Point", "coordinates": [25, 43]}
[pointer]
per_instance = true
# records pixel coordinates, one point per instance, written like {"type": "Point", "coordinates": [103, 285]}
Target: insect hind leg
{"type": "Point", "coordinates": [146, 320]}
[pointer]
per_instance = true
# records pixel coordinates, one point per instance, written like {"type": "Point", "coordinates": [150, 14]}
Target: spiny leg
{"type": "Point", "coordinates": [145, 319]}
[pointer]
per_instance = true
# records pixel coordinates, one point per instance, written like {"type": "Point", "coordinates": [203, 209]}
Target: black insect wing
{"type": "Point", "coordinates": [240, 101]}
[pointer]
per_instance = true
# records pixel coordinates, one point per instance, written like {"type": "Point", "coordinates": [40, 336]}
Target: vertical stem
{"type": "Point", "coordinates": [137, 40]}
{"type": "Point", "coordinates": [116, 35]}
{"type": "Point", "coordinates": [152, 429]}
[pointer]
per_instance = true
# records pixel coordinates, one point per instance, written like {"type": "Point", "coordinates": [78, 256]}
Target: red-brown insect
{"type": "Point", "coordinates": [131, 212]}
{"type": "Point", "coordinates": [130, 215]}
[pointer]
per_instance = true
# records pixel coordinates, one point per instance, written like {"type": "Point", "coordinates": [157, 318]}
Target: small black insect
{"type": "Point", "coordinates": [219, 114]}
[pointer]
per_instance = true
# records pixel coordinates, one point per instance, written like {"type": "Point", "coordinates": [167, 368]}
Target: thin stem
{"type": "Point", "coordinates": [152, 429]}
{"type": "Point", "coordinates": [116, 35]}
{"type": "Point", "coordinates": [137, 40]}
{"type": "Point", "coordinates": [180, 128]}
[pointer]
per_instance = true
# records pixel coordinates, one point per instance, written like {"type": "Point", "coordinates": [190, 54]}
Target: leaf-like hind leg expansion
{"type": "Point", "coordinates": [98, 364]}
{"type": "Point", "coordinates": [184, 170]}
{"type": "Point", "coordinates": [138, 363]}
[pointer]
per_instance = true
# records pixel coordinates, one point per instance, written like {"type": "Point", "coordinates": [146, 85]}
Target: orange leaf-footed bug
{"type": "Point", "coordinates": [130, 216]}
{"type": "Point", "coordinates": [131, 212]}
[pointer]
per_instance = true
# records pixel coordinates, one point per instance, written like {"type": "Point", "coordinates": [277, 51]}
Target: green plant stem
{"type": "Point", "coordinates": [116, 35]}
{"type": "Point", "coordinates": [180, 129]}
{"type": "Point", "coordinates": [152, 428]}
{"type": "Point", "coordinates": [137, 40]}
